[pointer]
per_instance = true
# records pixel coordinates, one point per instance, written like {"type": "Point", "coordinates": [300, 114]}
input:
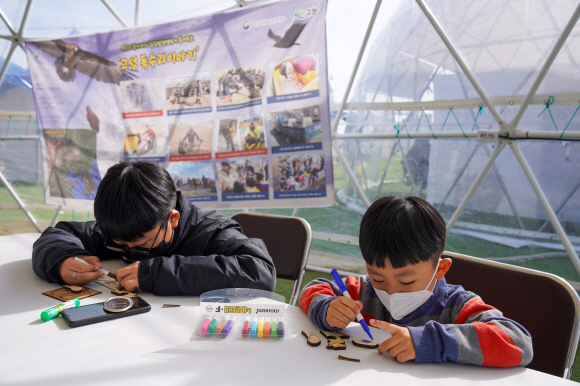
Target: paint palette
{"type": "Point", "coordinates": [243, 313]}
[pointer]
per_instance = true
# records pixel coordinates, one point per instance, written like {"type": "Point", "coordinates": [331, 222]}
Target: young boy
{"type": "Point", "coordinates": [172, 247]}
{"type": "Point", "coordinates": [405, 294]}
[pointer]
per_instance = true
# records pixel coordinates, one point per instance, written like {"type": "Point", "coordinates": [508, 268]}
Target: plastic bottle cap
{"type": "Point", "coordinates": [49, 314]}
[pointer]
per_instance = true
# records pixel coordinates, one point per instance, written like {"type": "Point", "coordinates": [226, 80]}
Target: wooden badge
{"type": "Point", "coordinates": [312, 339]}
{"type": "Point", "coordinates": [348, 359]}
{"type": "Point", "coordinates": [336, 344]}
{"type": "Point", "coordinates": [333, 335]}
{"type": "Point", "coordinates": [123, 293]}
{"type": "Point", "coordinates": [65, 293]}
{"type": "Point", "coordinates": [364, 343]}
{"type": "Point", "coordinates": [170, 305]}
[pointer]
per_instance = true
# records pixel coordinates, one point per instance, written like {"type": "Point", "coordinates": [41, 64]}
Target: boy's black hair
{"type": "Point", "coordinates": [403, 230]}
{"type": "Point", "coordinates": [133, 198]}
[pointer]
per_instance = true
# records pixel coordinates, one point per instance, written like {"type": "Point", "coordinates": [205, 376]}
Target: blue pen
{"type": "Point", "coordinates": [345, 292]}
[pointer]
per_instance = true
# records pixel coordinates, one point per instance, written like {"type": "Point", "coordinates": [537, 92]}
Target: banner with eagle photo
{"type": "Point", "coordinates": [234, 105]}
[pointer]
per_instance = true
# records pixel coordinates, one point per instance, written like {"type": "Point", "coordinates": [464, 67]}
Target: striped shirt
{"type": "Point", "coordinates": [454, 325]}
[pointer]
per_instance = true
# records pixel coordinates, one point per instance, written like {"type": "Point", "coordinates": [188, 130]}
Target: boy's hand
{"type": "Point", "coordinates": [75, 273]}
{"type": "Point", "coordinates": [399, 345]}
{"type": "Point", "coordinates": [341, 311]}
{"type": "Point", "coordinates": [128, 277]}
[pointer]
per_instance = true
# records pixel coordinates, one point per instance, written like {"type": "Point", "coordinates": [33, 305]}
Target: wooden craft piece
{"type": "Point", "coordinates": [170, 305]}
{"type": "Point", "coordinates": [333, 335]}
{"type": "Point", "coordinates": [65, 294]}
{"type": "Point", "coordinates": [336, 344]}
{"type": "Point", "coordinates": [123, 293]}
{"type": "Point", "coordinates": [364, 343]}
{"type": "Point", "coordinates": [108, 282]}
{"type": "Point", "coordinates": [348, 359]}
{"type": "Point", "coordinates": [75, 289]}
{"type": "Point", "coordinates": [312, 339]}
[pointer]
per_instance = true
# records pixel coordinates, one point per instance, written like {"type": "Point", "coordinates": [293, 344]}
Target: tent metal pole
{"type": "Point", "coordinates": [355, 69]}
{"type": "Point", "coordinates": [8, 25]}
{"type": "Point", "coordinates": [459, 175]}
{"type": "Point", "coordinates": [7, 61]}
{"type": "Point", "coordinates": [55, 217]}
{"type": "Point", "coordinates": [386, 169]}
{"type": "Point", "coordinates": [544, 201]}
{"type": "Point", "coordinates": [350, 173]}
{"type": "Point", "coordinates": [137, 9]}
{"type": "Point", "coordinates": [117, 16]}
{"type": "Point", "coordinates": [19, 201]}
{"type": "Point", "coordinates": [23, 23]}
{"type": "Point", "coordinates": [505, 191]}
{"type": "Point", "coordinates": [501, 144]}
{"type": "Point", "coordinates": [561, 205]}
{"type": "Point", "coordinates": [461, 63]}
{"type": "Point", "coordinates": [549, 60]}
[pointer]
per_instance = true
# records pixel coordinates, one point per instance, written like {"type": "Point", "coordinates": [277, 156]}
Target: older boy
{"type": "Point", "coordinates": [405, 294]}
{"type": "Point", "coordinates": [172, 247]}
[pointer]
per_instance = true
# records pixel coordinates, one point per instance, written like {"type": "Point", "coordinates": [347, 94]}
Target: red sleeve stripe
{"type": "Point", "coordinates": [309, 293]}
{"type": "Point", "coordinates": [474, 306]}
{"type": "Point", "coordinates": [496, 346]}
{"type": "Point", "coordinates": [353, 285]}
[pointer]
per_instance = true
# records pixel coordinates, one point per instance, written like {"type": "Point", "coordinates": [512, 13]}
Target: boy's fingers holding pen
{"type": "Point", "coordinates": [93, 260]}
{"type": "Point", "coordinates": [388, 327]}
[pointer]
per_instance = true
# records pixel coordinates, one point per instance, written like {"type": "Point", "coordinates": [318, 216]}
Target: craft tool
{"type": "Point", "coordinates": [107, 273]}
{"type": "Point", "coordinates": [254, 328]}
{"type": "Point", "coordinates": [212, 325]}
{"type": "Point", "coordinates": [246, 328]}
{"type": "Point", "coordinates": [221, 325]}
{"type": "Point", "coordinates": [261, 328]}
{"type": "Point", "coordinates": [228, 328]}
{"type": "Point", "coordinates": [280, 328]}
{"type": "Point", "coordinates": [53, 312]}
{"type": "Point", "coordinates": [273, 329]}
{"type": "Point", "coordinates": [345, 292]}
{"type": "Point", "coordinates": [205, 325]}
{"type": "Point", "coordinates": [267, 328]}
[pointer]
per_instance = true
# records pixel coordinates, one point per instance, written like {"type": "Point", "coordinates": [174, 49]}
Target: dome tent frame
{"type": "Point", "coordinates": [506, 133]}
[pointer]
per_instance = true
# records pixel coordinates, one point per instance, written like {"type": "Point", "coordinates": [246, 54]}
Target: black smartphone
{"type": "Point", "coordinates": [94, 313]}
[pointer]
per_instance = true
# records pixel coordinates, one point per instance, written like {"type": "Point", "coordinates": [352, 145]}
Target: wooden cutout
{"type": "Point", "coordinates": [348, 359]}
{"type": "Point", "coordinates": [75, 289]}
{"type": "Point", "coordinates": [108, 282]}
{"type": "Point", "coordinates": [364, 343]}
{"type": "Point", "coordinates": [170, 305]}
{"type": "Point", "coordinates": [65, 294]}
{"type": "Point", "coordinates": [312, 339]}
{"type": "Point", "coordinates": [123, 293]}
{"type": "Point", "coordinates": [336, 344]}
{"type": "Point", "coordinates": [333, 335]}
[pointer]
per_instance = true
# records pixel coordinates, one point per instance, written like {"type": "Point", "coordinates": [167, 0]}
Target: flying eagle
{"type": "Point", "coordinates": [69, 58]}
{"type": "Point", "coordinates": [93, 119]}
{"type": "Point", "coordinates": [290, 36]}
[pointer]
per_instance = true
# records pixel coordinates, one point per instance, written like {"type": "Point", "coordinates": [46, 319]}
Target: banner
{"type": "Point", "coordinates": [234, 105]}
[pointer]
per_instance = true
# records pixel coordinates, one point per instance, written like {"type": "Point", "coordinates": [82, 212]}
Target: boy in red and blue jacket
{"type": "Point", "coordinates": [405, 294]}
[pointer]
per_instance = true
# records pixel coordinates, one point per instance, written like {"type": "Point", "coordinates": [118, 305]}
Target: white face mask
{"type": "Point", "coordinates": [401, 304]}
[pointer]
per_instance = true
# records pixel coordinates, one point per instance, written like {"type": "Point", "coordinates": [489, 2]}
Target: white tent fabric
{"type": "Point", "coordinates": [408, 82]}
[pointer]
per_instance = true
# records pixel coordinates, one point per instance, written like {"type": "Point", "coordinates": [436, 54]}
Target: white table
{"type": "Point", "coordinates": [162, 347]}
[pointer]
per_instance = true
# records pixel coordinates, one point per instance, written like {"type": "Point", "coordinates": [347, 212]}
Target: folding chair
{"type": "Point", "coordinates": [288, 242]}
{"type": "Point", "coordinates": [545, 304]}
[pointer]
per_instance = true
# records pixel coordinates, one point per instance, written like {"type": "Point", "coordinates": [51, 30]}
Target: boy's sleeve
{"type": "Point", "coordinates": [316, 296]}
{"type": "Point", "coordinates": [480, 336]}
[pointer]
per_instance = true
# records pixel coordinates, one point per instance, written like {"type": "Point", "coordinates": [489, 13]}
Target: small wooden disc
{"type": "Point", "coordinates": [312, 339]}
{"type": "Point", "coordinates": [364, 343]}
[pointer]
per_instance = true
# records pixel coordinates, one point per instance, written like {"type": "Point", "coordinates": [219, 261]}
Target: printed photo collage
{"type": "Point", "coordinates": [221, 142]}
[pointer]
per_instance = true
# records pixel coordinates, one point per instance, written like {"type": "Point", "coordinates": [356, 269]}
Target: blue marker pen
{"type": "Point", "coordinates": [345, 292]}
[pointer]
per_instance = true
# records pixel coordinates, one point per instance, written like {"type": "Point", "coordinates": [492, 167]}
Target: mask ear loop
{"type": "Point", "coordinates": [434, 274]}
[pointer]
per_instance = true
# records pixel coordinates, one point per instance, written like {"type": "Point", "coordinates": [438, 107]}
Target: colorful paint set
{"type": "Point", "coordinates": [242, 312]}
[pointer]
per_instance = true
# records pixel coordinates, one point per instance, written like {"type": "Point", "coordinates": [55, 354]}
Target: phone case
{"type": "Point", "coordinates": [143, 307]}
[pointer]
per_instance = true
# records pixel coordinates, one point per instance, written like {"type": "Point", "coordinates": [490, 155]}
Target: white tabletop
{"type": "Point", "coordinates": [163, 347]}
